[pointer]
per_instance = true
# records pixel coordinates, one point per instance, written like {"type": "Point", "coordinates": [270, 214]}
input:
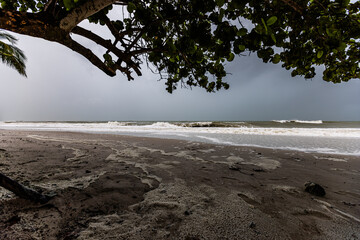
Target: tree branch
{"type": "Point", "coordinates": [89, 55]}
{"type": "Point", "coordinates": [294, 5]}
{"type": "Point", "coordinates": [88, 8]}
{"type": "Point", "coordinates": [111, 27]}
{"type": "Point", "coordinates": [22, 191]}
{"type": "Point", "coordinates": [30, 24]}
{"type": "Point", "coordinates": [123, 57]}
{"type": "Point", "coordinates": [50, 5]}
{"type": "Point", "coordinates": [99, 40]}
{"type": "Point", "coordinates": [128, 48]}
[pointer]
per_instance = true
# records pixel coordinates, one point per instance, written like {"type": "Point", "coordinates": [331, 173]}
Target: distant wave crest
{"type": "Point", "coordinates": [164, 125]}
{"type": "Point", "coordinates": [215, 124]}
{"type": "Point", "coordinates": [299, 121]}
{"type": "Point", "coordinates": [115, 123]}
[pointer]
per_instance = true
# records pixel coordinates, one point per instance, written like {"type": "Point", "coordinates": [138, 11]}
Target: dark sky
{"type": "Point", "coordinates": [62, 85]}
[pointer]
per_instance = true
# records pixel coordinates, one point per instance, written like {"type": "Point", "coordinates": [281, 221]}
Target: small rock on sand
{"type": "Point", "coordinates": [314, 189]}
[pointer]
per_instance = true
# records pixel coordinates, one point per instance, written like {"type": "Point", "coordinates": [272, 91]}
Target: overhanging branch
{"type": "Point", "coordinates": [78, 14]}
{"type": "Point", "coordinates": [89, 55]}
{"type": "Point", "coordinates": [99, 40]}
{"type": "Point", "coordinates": [122, 57]}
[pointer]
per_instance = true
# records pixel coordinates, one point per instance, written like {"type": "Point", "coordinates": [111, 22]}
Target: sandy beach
{"type": "Point", "coordinates": [122, 187]}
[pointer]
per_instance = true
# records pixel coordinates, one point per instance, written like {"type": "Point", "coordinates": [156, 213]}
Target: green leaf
{"type": "Point", "coordinates": [242, 32]}
{"type": "Point", "coordinates": [320, 54]}
{"type": "Point", "coordinates": [131, 7]}
{"type": "Point", "coordinates": [276, 59]}
{"type": "Point", "coordinates": [342, 46]}
{"type": "Point", "coordinates": [345, 2]}
{"type": "Point", "coordinates": [329, 32]}
{"type": "Point", "coordinates": [220, 3]}
{"type": "Point", "coordinates": [39, 5]}
{"type": "Point", "coordinates": [273, 37]}
{"type": "Point", "coordinates": [68, 4]}
{"type": "Point", "coordinates": [258, 29]}
{"type": "Point", "coordinates": [260, 54]}
{"type": "Point", "coordinates": [107, 57]}
{"type": "Point", "coordinates": [271, 20]}
{"type": "Point", "coordinates": [242, 48]}
{"type": "Point", "coordinates": [266, 28]}
{"type": "Point", "coordinates": [231, 57]}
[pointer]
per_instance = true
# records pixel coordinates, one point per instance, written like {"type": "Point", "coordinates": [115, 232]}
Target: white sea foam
{"type": "Point", "coordinates": [310, 122]}
{"type": "Point", "coordinates": [172, 128]}
{"type": "Point", "coordinates": [115, 123]}
{"type": "Point", "coordinates": [324, 140]}
{"type": "Point", "coordinates": [281, 121]}
{"type": "Point", "coordinates": [216, 140]}
{"type": "Point", "coordinates": [165, 125]}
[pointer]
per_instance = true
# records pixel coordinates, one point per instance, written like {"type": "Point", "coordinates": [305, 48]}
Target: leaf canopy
{"type": "Point", "coordinates": [189, 42]}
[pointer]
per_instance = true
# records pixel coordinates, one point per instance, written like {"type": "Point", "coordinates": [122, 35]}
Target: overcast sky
{"type": "Point", "coordinates": [62, 85]}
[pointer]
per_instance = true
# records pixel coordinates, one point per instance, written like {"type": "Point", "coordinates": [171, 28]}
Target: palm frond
{"type": "Point", "coordinates": [11, 55]}
{"type": "Point", "coordinates": [8, 37]}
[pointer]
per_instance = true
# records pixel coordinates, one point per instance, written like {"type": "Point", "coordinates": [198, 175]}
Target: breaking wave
{"type": "Point", "coordinates": [215, 124]}
{"type": "Point", "coordinates": [164, 125]}
{"type": "Point", "coordinates": [299, 121]}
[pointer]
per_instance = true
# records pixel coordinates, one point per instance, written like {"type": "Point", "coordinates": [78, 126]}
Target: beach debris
{"type": "Point", "coordinates": [23, 191]}
{"type": "Point", "coordinates": [349, 204]}
{"type": "Point", "coordinates": [2, 150]}
{"type": "Point", "coordinates": [258, 170]}
{"type": "Point", "coordinates": [187, 212]}
{"type": "Point", "coordinates": [314, 189]}
{"type": "Point", "coordinates": [252, 225]}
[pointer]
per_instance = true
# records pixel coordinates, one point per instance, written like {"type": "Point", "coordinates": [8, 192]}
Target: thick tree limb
{"type": "Point", "coordinates": [22, 191]}
{"type": "Point", "coordinates": [82, 12]}
{"type": "Point", "coordinates": [30, 24]}
{"type": "Point", "coordinates": [34, 25]}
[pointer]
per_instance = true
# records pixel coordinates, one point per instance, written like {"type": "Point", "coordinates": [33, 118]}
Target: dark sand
{"type": "Point", "coordinates": [121, 187]}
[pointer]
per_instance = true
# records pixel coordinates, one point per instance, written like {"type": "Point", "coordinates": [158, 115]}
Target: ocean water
{"type": "Point", "coordinates": [308, 136]}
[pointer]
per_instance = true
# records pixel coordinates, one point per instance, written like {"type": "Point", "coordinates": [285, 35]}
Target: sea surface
{"type": "Point", "coordinates": [308, 136]}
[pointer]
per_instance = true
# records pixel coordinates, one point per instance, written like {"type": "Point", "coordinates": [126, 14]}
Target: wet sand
{"type": "Point", "coordinates": [122, 187]}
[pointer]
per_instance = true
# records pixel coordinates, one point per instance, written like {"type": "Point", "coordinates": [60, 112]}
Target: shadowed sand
{"type": "Point", "coordinates": [121, 187]}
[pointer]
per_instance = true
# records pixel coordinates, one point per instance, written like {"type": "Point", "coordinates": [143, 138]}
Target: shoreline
{"type": "Point", "coordinates": [201, 139]}
{"type": "Point", "coordinates": [127, 187]}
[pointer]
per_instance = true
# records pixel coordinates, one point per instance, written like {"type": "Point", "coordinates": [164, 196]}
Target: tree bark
{"type": "Point", "coordinates": [22, 191]}
{"type": "Point", "coordinates": [82, 12]}
{"type": "Point", "coordinates": [32, 24]}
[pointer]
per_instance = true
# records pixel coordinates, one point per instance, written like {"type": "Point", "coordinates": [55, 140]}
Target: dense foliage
{"type": "Point", "coordinates": [189, 42]}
